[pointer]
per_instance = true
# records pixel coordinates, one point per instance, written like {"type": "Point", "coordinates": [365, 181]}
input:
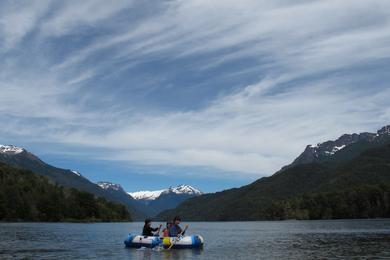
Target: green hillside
{"type": "Point", "coordinates": [26, 196]}
{"type": "Point", "coordinates": [68, 179]}
{"type": "Point", "coordinates": [286, 194]}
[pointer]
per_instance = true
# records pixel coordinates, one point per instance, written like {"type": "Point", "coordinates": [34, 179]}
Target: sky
{"type": "Point", "coordinates": [215, 94]}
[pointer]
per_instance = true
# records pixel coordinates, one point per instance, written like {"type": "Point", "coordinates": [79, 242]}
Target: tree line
{"type": "Point", "coordinates": [365, 201]}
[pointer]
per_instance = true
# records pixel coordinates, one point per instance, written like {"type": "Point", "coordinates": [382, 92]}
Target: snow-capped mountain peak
{"type": "Point", "coordinates": [185, 189]}
{"type": "Point", "coordinates": [10, 149]}
{"type": "Point", "coordinates": [152, 195]}
{"type": "Point", "coordinates": [109, 185]}
{"type": "Point", "coordinates": [146, 195]}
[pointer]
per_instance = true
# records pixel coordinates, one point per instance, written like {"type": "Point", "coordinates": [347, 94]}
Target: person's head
{"type": "Point", "coordinates": [169, 224]}
{"type": "Point", "coordinates": [177, 220]}
{"type": "Point", "coordinates": [148, 222]}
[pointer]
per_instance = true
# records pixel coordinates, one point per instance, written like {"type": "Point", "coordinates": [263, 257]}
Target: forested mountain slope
{"type": "Point", "coordinates": [26, 196]}
{"type": "Point", "coordinates": [362, 166]}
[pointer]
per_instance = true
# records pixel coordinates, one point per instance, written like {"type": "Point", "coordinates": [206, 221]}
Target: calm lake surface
{"type": "Point", "coordinates": [223, 240]}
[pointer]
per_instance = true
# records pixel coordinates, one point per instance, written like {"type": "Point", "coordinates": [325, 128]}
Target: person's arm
{"type": "Point", "coordinates": [158, 230]}
{"type": "Point", "coordinates": [153, 229]}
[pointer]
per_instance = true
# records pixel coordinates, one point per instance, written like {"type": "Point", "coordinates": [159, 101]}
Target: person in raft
{"type": "Point", "coordinates": [148, 230]}
{"type": "Point", "coordinates": [166, 229]}
{"type": "Point", "coordinates": [175, 229]}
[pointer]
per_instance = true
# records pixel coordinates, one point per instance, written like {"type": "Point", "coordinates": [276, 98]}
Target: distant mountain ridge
{"type": "Point", "coordinates": [106, 185]}
{"type": "Point", "coordinates": [345, 178]}
{"type": "Point", "coordinates": [164, 199]}
{"type": "Point", "coordinates": [153, 202]}
{"type": "Point", "coordinates": [153, 195]}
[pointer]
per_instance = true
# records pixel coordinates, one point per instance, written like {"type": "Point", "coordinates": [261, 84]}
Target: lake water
{"type": "Point", "coordinates": [223, 240]}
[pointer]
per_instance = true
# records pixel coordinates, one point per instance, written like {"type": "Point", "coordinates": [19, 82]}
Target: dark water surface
{"type": "Point", "coordinates": [345, 239]}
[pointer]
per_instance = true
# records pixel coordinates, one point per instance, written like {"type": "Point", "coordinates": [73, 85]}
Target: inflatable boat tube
{"type": "Point", "coordinates": [142, 241]}
{"type": "Point", "coordinates": [183, 242]}
{"type": "Point", "coordinates": [194, 241]}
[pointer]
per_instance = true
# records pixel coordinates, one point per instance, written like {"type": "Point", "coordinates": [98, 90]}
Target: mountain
{"type": "Point", "coordinates": [21, 158]}
{"type": "Point", "coordinates": [164, 199]}
{"type": "Point", "coordinates": [148, 196]}
{"type": "Point", "coordinates": [26, 196]}
{"type": "Point", "coordinates": [116, 191]}
{"type": "Point", "coordinates": [323, 151]}
{"type": "Point", "coordinates": [353, 170]}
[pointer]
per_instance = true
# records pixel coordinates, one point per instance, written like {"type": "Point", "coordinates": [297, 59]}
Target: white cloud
{"type": "Point", "coordinates": [254, 130]}
{"type": "Point", "coordinates": [72, 15]}
{"type": "Point", "coordinates": [287, 35]}
{"type": "Point", "coordinates": [18, 19]}
{"type": "Point", "coordinates": [249, 131]}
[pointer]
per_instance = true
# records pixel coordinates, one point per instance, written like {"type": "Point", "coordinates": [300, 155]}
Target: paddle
{"type": "Point", "coordinates": [158, 231]}
{"type": "Point", "coordinates": [177, 238]}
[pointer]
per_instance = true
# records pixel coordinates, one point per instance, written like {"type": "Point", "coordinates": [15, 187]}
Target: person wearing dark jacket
{"type": "Point", "coordinates": [148, 230]}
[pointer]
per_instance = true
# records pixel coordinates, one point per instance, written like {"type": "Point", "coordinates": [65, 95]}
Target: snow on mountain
{"type": "Point", "coordinates": [10, 149]}
{"type": "Point", "coordinates": [76, 172]}
{"type": "Point", "coordinates": [152, 195]}
{"type": "Point", "coordinates": [146, 195]}
{"type": "Point", "coordinates": [185, 189]}
{"type": "Point", "coordinates": [109, 186]}
{"type": "Point", "coordinates": [335, 149]}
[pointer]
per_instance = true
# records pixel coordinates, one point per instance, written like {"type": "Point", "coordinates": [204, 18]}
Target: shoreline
{"type": "Point", "coordinates": [233, 221]}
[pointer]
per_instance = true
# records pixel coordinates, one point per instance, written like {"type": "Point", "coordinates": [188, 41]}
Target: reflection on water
{"type": "Point", "coordinates": [229, 240]}
{"type": "Point", "coordinates": [146, 253]}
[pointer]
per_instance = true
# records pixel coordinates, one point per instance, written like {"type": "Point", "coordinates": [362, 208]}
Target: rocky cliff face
{"type": "Point", "coordinates": [323, 151]}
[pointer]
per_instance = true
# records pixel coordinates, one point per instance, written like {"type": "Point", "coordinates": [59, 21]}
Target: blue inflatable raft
{"type": "Point", "coordinates": [137, 241]}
